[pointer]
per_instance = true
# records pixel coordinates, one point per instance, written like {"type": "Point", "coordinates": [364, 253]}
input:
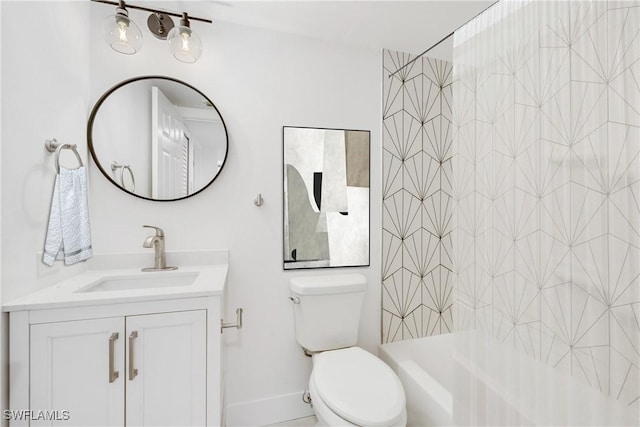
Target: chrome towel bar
{"type": "Point", "coordinates": [237, 324]}
{"type": "Point", "coordinates": [53, 146]}
{"type": "Point", "coordinates": [115, 166]}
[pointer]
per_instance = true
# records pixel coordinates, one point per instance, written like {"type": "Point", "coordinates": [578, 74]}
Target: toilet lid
{"type": "Point", "coordinates": [358, 387]}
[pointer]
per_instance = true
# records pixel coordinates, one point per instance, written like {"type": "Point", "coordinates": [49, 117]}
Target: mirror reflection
{"type": "Point", "coordinates": [157, 138]}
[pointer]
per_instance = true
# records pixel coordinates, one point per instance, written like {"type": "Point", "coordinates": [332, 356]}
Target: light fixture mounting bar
{"type": "Point", "coordinates": [147, 9]}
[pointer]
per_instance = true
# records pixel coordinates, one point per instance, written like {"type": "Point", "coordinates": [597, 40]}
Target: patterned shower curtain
{"type": "Point", "coordinates": [546, 115]}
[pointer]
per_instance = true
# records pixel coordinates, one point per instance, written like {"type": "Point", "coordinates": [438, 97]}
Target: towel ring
{"type": "Point", "coordinates": [53, 146]}
{"type": "Point", "coordinates": [115, 165]}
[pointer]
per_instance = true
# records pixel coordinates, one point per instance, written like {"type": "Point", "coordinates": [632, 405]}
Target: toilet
{"type": "Point", "coordinates": [348, 385]}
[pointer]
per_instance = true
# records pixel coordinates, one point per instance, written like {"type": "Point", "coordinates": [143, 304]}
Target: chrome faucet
{"type": "Point", "coordinates": [157, 243]}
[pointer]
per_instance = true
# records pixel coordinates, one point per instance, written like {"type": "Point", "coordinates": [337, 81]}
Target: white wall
{"type": "Point", "coordinates": [45, 93]}
{"type": "Point", "coordinates": [4, 333]}
{"type": "Point", "coordinates": [259, 81]}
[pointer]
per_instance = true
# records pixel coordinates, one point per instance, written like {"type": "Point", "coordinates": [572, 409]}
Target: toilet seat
{"type": "Point", "coordinates": [358, 387]}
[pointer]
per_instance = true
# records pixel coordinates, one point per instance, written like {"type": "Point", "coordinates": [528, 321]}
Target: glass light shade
{"type": "Point", "coordinates": [121, 33]}
{"type": "Point", "coordinates": [185, 45]}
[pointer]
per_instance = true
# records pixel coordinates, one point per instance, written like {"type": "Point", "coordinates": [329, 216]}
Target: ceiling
{"type": "Point", "coordinates": [407, 26]}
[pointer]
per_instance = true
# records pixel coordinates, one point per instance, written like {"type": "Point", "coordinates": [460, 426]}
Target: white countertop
{"type": "Point", "coordinates": [210, 281]}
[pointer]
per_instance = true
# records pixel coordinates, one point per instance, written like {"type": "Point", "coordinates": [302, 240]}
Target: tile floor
{"type": "Point", "coordinates": [298, 422]}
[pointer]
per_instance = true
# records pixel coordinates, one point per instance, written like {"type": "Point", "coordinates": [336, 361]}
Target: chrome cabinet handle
{"type": "Point", "coordinates": [113, 374]}
{"type": "Point", "coordinates": [133, 372]}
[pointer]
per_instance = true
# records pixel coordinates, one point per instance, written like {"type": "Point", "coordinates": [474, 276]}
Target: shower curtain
{"type": "Point", "coordinates": [546, 115]}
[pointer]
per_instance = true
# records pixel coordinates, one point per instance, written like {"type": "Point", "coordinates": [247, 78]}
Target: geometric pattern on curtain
{"type": "Point", "coordinates": [547, 185]}
{"type": "Point", "coordinates": [417, 259]}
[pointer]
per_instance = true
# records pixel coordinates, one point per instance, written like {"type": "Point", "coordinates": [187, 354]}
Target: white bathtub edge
{"type": "Point", "coordinates": [438, 409]}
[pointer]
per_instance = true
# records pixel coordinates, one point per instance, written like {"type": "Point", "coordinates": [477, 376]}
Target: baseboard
{"type": "Point", "coordinates": [267, 411]}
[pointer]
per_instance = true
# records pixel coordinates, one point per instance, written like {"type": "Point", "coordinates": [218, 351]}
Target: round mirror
{"type": "Point", "coordinates": [157, 138]}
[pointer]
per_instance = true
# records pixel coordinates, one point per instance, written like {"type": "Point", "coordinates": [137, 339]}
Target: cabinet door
{"type": "Point", "coordinates": [72, 369]}
{"type": "Point", "coordinates": [167, 368]}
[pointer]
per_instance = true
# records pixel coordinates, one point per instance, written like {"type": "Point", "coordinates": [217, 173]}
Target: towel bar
{"type": "Point", "coordinates": [53, 146]}
{"type": "Point", "coordinates": [115, 165]}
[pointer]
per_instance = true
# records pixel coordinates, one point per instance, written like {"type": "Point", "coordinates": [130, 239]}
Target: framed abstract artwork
{"type": "Point", "coordinates": [326, 197]}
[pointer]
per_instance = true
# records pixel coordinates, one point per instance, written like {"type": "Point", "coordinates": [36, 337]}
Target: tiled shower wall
{"type": "Point", "coordinates": [548, 188]}
{"type": "Point", "coordinates": [417, 265]}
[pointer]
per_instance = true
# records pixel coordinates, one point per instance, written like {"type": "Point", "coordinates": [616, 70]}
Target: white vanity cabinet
{"type": "Point", "coordinates": [153, 365]}
{"type": "Point", "coordinates": [122, 358]}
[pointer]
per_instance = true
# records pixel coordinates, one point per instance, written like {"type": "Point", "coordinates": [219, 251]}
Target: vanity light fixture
{"type": "Point", "coordinates": [121, 33]}
{"type": "Point", "coordinates": [124, 36]}
{"type": "Point", "coordinates": [185, 45]}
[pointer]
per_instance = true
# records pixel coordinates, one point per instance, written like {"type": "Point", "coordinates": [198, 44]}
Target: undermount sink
{"type": "Point", "coordinates": [140, 281]}
{"type": "Point", "coordinates": [117, 279]}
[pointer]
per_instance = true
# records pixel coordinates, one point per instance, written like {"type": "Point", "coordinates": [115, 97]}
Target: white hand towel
{"type": "Point", "coordinates": [68, 233]}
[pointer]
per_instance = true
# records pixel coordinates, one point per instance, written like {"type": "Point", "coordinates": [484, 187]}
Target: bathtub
{"type": "Point", "coordinates": [469, 379]}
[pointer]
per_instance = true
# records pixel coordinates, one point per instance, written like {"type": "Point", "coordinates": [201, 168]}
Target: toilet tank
{"type": "Point", "coordinates": [327, 310]}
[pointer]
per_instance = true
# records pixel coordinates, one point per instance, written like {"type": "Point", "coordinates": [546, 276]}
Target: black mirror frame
{"type": "Point", "coordinates": [104, 96]}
